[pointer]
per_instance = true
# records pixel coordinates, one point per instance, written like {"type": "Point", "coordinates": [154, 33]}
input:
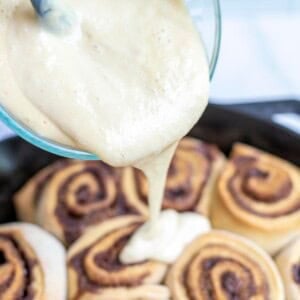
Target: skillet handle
{"type": "Point", "coordinates": [267, 109]}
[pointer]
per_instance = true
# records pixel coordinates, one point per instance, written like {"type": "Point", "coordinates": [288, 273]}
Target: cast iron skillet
{"type": "Point", "coordinates": [220, 125]}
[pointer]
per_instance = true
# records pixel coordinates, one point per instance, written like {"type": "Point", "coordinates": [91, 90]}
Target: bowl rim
{"type": "Point", "coordinates": [218, 38]}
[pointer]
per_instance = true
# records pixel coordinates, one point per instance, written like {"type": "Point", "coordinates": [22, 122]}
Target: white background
{"type": "Point", "coordinates": [260, 54]}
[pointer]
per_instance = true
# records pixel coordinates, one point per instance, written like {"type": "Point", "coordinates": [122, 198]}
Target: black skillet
{"type": "Point", "coordinates": [223, 126]}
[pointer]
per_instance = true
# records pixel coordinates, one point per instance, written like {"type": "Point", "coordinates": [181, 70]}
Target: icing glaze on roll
{"type": "Point", "coordinates": [173, 232]}
{"type": "Point", "coordinates": [96, 271]}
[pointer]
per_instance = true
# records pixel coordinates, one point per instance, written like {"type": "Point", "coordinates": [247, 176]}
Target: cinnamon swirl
{"type": "Point", "coordinates": [95, 271]}
{"type": "Point", "coordinates": [258, 197]}
{"type": "Point", "coordinates": [191, 179]}
{"type": "Point", "coordinates": [27, 198]}
{"type": "Point", "coordinates": [221, 265]}
{"type": "Point", "coordinates": [32, 264]}
{"type": "Point", "coordinates": [82, 195]}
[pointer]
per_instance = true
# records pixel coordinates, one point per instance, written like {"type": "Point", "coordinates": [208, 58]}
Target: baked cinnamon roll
{"type": "Point", "coordinates": [191, 179]}
{"type": "Point", "coordinates": [95, 271]}
{"type": "Point", "coordinates": [221, 265]}
{"type": "Point", "coordinates": [258, 197]}
{"type": "Point", "coordinates": [82, 195]}
{"type": "Point", "coordinates": [27, 198]}
{"type": "Point", "coordinates": [288, 262]}
{"type": "Point", "coordinates": [32, 264]}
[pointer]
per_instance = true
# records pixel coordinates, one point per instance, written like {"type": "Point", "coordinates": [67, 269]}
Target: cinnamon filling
{"type": "Point", "coordinates": [6, 284]}
{"type": "Point", "coordinates": [283, 191]}
{"type": "Point", "coordinates": [243, 161]}
{"type": "Point", "coordinates": [247, 171]}
{"type": "Point", "coordinates": [296, 273]}
{"type": "Point", "coordinates": [109, 260]}
{"type": "Point", "coordinates": [74, 224]}
{"type": "Point", "coordinates": [84, 196]}
{"type": "Point", "coordinates": [233, 286]}
{"type": "Point", "coordinates": [180, 197]}
{"type": "Point", "coordinates": [27, 293]}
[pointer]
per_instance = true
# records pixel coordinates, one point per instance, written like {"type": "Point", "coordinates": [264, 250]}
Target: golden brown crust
{"type": "Point", "coordinates": [95, 271]}
{"type": "Point", "coordinates": [221, 265]}
{"type": "Point", "coordinates": [259, 197]}
{"type": "Point", "coordinates": [288, 262]}
{"type": "Point", "coordinates": [75, 196]}
{"type": "Point", "coordinates": [191, 179]}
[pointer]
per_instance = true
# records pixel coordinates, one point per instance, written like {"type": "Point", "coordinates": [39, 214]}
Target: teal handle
{"type": "Point", "coordinates": [55, 15]}
{"type": "Point", "coordinates": [39, 7]}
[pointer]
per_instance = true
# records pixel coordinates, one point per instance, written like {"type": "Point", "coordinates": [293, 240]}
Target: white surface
{"type": "Point", "coordinates": [259, 57]}
{"type": "Point", "coordinates": [260, 50]}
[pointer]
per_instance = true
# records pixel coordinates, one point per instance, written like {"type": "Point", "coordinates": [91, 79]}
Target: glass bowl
{"type": "Point", "coordinates": [207, 17]}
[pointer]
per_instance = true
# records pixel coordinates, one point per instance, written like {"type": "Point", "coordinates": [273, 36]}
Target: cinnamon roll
{"type": "Point", "coordinates": [191, 179]}
{"type": "Point", "coordinates": [81, 195]}
{"type": "Point", "coordinates": [32, 264]}
{"type": "Point", "coordinates": [27, 198]}
{"type": "Point", "coordinates": [221, 265]}
{"type": "Point", "coordinates": [288, 262]}
{"type": "Point", "coordinates": [258, 197]}
{"type": "Point", "coordinates": [95, 271]}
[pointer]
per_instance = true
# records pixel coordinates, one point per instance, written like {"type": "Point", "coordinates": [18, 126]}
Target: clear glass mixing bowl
{"type": "Point", "coordinates": [207, 17]}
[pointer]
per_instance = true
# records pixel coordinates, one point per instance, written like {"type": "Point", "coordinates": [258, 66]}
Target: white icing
{"type": "Point", "coordinates": [133, 81]}
{"type": "Point", "coordinates": [128, 84]}
{"type": "Point", "coordinates": [156, 170]}
{"type": "Point", "coordinates": [172, 233]}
